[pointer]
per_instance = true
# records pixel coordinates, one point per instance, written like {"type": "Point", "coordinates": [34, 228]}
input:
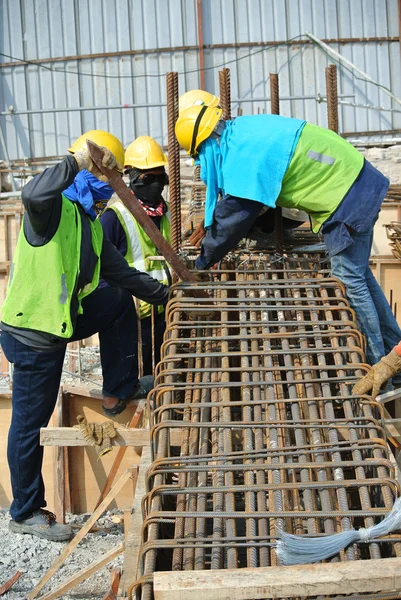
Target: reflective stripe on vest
{"type": "Point", "coordinates": [140, 247]}
{"type": "Point", "coordinates": [323, 168]}
{"type": "Point", "coordinates": [133, 240]}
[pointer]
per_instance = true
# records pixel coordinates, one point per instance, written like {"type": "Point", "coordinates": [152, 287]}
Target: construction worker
{"type": "Point", "coordinates": [144, 163]}
{"type": "Point", "coordinates": [262, 229]}
{"type": "Point", "coordinates": [268, 160]}
{"type": "Point", "coordinates": [53, 298]}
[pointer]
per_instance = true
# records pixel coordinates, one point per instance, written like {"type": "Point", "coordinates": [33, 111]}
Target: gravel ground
{"type": "Point", "coordinates": [34, 556]}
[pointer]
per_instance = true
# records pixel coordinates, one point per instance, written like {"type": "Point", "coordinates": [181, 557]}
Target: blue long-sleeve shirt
{"type": "Point", "coordinates": [233, 218]}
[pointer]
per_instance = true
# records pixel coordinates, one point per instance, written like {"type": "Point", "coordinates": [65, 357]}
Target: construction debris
{"type": "Point", "coordinates": [33, 557]}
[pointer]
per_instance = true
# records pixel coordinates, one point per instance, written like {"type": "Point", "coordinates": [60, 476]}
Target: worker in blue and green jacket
{"type": "Point", "coordinates": [269, 160]}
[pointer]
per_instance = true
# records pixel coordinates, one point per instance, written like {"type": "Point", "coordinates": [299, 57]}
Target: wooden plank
{"type": "Point", "coordinates": [84, 391]}
{"type": "Point", "coordinates": [115, 582]}
{"type": "Point", "coordinates": [69, 436]}
{"type": "Point", "coordinates": [73, 348]}
{"type": "Point", "coordinates": [9, 583]}
{"type": "Point", "coordinates": [80, 535]}
{"type": "Point", "coordinates": [382, 575]}
{"type": "Point", "coordinates": [59, 467]}
{"type": "Point", "coordinates": [133, 542]}
{"type": "Point", "coordinates": [84, 574]}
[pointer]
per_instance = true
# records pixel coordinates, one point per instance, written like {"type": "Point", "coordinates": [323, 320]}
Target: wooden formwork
{"type": "Point", "coordinates": [85, 475]}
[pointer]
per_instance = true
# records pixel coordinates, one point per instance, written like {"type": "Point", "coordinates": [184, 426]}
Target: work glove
{"type": "Point", "coordinates": [84, 161]}
{"type": "Point", "coordinates": [386, 368]}
{"type": "Point", "coordinates": [197, 236]}
{"type": "Point", "coordinates": [97, 434]}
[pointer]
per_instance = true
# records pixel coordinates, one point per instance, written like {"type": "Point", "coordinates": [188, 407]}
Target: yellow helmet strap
{"type": "Point", "coordinates": [196, 129]}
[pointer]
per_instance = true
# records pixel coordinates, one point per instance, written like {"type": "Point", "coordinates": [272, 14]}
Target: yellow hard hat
{"type": "Point", "coordinates": [144, 153]}
{"type": "Point", "coordinates": [101, 138]}
{"type": "Point", "coordinates": [195, 125]}
{"type": "Point", "coordinates": [197, 98]}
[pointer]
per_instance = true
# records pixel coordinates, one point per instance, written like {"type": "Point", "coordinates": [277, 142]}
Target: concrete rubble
{"type": "Point", "coordinates": [33, 557]}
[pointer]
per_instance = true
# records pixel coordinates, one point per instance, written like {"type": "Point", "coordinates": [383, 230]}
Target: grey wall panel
{"type": "Point", "coordinates": [52, 29]}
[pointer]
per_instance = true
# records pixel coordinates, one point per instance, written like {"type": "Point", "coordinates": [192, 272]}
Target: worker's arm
{"type": "Point", "coordinates": [41, 198]}
{"type": "Point", "coordinates": [116, 271]}
{"type": "Point", "coordinates": [113, 230]}
{"type": "Point", "coordinates": [233, 218]}
{"type": "Point", "coordinates": [380, 373]}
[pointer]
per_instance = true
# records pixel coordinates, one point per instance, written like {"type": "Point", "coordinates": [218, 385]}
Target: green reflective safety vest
{"type": "Point", "coordinates": [321, 171]}
{"type": "Point", "coordinates": [43, 279]}
{"type": "Point", "coordinates": [140, 247]}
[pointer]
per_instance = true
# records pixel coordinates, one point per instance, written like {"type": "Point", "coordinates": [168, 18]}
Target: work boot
{"type": "Point", "coordinates": [43, 524]}
{"type": "Point", "coordinates": [145, 385]}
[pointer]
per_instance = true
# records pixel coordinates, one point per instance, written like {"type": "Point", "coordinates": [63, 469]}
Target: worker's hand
{"type": "Point", "coordinates": [386, 368]}
{"type": "Point", "coordinates": [197, 236]}
{"type": "Point", "coordinates": [84, 161]}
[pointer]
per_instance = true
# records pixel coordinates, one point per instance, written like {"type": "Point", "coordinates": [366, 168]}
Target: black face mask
{"type": "Point", "coordinates": [150, 188]}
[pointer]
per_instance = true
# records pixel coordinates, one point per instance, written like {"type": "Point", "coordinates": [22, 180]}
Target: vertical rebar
{"type": "Point", "coordinates": [332, 97]}
{"type": "Point", "coordinates": [173, 161]}
{"type": "Point", "coordinates": [247, 435]}
{"type": "Point", "coordinates": [225, 93]}
{"type": "Point", "coordinates": [274, 94]}
{"type": "Point", "coordinates": [275, 110]}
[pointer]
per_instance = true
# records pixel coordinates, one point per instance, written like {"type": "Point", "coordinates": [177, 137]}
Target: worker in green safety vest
{"type": "Point", "coordinates": [144, 163]}
{"type": "Point", "coordinates": [260, 161]}
{"type": "Point", "coordinates": [53, 298]}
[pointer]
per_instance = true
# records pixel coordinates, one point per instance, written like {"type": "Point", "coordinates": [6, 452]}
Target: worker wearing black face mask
{"type": "Point", "coordinates": [148, 186]}
{"type": "Point", "coordinates": [144, 164]}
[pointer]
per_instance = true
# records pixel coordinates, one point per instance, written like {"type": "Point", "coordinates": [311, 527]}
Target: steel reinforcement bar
{"type": "Point", "coordinates": [260, 386]}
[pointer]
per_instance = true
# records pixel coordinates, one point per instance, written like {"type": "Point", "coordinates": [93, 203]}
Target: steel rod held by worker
{"type": "Point", "coordinates": [128, 198]}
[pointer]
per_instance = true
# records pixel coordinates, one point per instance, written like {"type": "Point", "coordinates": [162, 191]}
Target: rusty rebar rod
{"type": "Point", "coordinates": [173, 160]}
{"type": "Point", "coordinates": [278, 217]}
{"type": "Point", "coordinates": [332, 97]}
{"type": "Point", "coordinates": [225, 93]}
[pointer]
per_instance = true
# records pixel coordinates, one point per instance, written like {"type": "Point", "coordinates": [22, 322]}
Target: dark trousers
{"type": "Point", "coordinates": [159, 328]}
{"type": "Point", "coordinates": [36, 379]}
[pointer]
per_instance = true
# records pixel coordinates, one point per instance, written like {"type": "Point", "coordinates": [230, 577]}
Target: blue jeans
{"type": "Point", "coordinates": [107, 311]}
{"type": "Point", "coordinates": [374, 316]}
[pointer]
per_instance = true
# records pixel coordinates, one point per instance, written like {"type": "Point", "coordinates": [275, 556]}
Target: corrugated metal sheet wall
{"type": "Point", "coordinates": [49, 29]}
